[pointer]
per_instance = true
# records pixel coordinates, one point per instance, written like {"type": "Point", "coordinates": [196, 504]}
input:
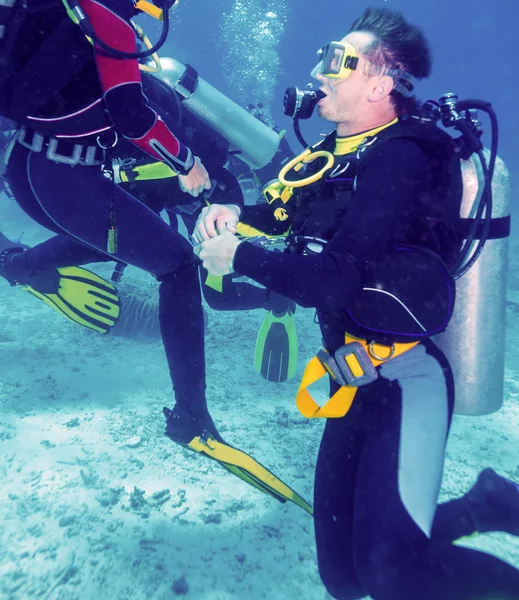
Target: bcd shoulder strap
{"type": "Point", "coordinates": [65, 47]}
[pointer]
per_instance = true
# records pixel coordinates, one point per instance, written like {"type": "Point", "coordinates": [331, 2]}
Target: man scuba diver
{"type": "Point", "coordinates": [372, 213]}
{"type": "Point", "coordinates": [60, 171]}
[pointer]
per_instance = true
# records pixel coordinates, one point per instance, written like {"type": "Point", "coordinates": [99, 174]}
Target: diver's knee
{"type": "Point", "coordinates": [338, 585]}
{"type": "Point", "coordinates": [187, 271]}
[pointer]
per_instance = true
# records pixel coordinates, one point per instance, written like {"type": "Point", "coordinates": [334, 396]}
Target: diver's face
{"type": "Point", "coordinates": [347, 97]}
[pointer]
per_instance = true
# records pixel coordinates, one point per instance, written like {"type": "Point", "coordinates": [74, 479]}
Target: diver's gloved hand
{"type": "Point", "coordinates": [216, 217]}
{"type": "Point", "coordinates": [217, 254]}
{"type": "Point", "coordinates": [182, 426]}
{"type": "Point", "coordinates": [196, 181]}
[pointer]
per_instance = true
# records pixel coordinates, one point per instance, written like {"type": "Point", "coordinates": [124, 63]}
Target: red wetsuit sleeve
{"type": "Point", "coordinates": [121, 84]}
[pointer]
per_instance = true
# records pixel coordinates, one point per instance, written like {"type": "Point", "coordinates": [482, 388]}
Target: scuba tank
{"type": "Point", "coordinates": [474, 340]}
{"type": "Point", "coordinates": [251, 140]}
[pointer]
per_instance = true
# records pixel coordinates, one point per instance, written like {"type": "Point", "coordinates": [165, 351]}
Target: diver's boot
{"type": "Point", "coordinates": [493, 503]}
{"type": "Point", "coordinates": [6, 263]}
{"type": "Point", "coordinates": [73, 292]}
{"type": "Point", "coordinates": [199, 434]}
{"type": "Point", "coordinates": [13, 267]}
{"type": "Point", "coordinates": [8, 250]}
{"type": "Point", "coordinates": [183, 425]}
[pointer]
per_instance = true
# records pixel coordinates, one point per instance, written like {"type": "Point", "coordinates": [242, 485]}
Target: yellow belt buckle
{"type": "Point", "coordinates": [350, 365]}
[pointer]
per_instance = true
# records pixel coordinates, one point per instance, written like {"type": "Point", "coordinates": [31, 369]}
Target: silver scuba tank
{"type": "Point", "coordinates": [474, 341]}
{"type": "Point", "coordinates": [255, 142]}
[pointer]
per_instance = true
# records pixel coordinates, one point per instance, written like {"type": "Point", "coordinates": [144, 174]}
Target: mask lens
{"type": "Point", "coordinates": [336, 60]}
{"type": "Point", "coordinates": [333, 59]}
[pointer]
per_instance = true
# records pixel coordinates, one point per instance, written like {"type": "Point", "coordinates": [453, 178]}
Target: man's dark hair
{"type": "Point", "coordinates": [397, 45]}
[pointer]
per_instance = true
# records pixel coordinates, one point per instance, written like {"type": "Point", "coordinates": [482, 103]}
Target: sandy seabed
{"type": "Point", "coordinates": [96, 503]}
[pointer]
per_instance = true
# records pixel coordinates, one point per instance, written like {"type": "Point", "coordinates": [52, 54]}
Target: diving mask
{"type": "Point", "coordinates": [336, 60]}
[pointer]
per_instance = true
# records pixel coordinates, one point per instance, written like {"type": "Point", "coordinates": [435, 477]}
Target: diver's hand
{"type": "Point", "coordinates": [216, 217]}
{"type": "Point", "coordinates": [196, 181]}
{"type": "Point", "coordinates": [217, 254]}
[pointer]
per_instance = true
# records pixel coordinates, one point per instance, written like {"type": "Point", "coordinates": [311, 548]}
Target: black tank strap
{"type": "Point", "coordinates": [188, 83]}
{"type": "Point", "coordinates": [499, 228]}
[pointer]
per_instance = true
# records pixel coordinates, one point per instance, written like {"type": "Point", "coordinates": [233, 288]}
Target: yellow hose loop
{"type": "Point", "coordinates": [154, 57]}
{"type": "Point", "coordinates": [303, 159]}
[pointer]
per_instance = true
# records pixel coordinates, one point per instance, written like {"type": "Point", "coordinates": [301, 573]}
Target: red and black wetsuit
{"type": "Point", "coordinates": [103, 95]}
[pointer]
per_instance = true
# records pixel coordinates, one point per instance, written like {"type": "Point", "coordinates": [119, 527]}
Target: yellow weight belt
{"type": "Point", "coordinates": [351, 366]}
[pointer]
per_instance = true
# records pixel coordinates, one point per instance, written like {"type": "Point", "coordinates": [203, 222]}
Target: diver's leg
{"type": "Point", "coordinates": [397, 487]}
{"type": "Point", "coordinates": [223, 293]}
{"type": "Point", "coordinates": [453, 521]}
{"type": "Point", "coordinates": [492, 504]}
{"type": "Point", "coordinates": [226, 294]}
{"type": "Point", "coordinates": [78, 201]}
{"type": "Point", "coordinates": [59, 251]}
{"type": "Point", "coordinates": [334, 492]}
{"type": "Point", "coordinates": [16, 176]}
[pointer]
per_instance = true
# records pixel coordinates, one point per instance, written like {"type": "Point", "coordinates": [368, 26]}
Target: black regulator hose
{"type": "Point", "coordinates": [88, 30]}
{"type": "Point", "coordinates": [299, 135]}
{"type": "Point", "coordinates": [462, 264]}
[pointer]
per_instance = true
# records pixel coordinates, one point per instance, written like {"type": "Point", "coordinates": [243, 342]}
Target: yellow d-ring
{"type": "Point", "coordinates": [303, 159]}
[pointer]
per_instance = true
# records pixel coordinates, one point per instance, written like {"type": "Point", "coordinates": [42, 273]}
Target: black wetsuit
{"type": "Point", "coordinates": [103, 96]}
{"type": "Point", "coordinates": [378, 529]}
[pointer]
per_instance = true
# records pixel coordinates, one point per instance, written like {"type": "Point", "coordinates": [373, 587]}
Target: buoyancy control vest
{"type": "Point", "coordinates": [317, 210]}
{"type": "Point", "coordinates": [407, 291]}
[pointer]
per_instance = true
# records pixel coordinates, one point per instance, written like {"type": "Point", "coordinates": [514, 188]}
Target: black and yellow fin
{"type": "Point", "coordinates": [79, 295]}
{"type": "Point", "coordinates": [248, 469]}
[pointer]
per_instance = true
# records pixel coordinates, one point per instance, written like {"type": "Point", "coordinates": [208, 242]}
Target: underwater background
{"type": "Point", "coordinates": [95, 502]}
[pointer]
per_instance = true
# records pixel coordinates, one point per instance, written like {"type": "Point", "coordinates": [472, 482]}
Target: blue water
{"type": "Point", "coordinates": [83, 464]}
{"type": "Point", "coordinates": [474, 48]}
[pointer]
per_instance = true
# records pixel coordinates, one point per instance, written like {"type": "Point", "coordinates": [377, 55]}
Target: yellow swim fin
{"type": "Point", "coordinates": [78, 295]}
{"type": "Point", "coordinates": [247, 468]}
